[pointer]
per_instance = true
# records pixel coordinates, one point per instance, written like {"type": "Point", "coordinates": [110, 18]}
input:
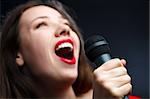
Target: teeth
{"type": "Point", "coordinates": [63, 45]}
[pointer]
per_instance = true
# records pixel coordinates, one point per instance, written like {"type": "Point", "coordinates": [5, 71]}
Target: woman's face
{"type": "Point", "coordinates": [49, 47]}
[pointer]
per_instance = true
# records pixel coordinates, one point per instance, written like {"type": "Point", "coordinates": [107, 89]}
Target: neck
{"type": "Point", "coordinates": [56, 90]}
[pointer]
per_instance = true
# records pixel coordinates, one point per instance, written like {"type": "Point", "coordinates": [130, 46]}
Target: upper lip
{"type": "Point", "coordinates": [63, 41]}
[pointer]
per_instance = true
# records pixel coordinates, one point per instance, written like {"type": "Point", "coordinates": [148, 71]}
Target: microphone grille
{"type": "Point", "coordinates": [96, 46]}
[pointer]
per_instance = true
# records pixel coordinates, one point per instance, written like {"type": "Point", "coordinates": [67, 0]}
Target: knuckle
{"type": "Point", "coordinates": [98, 70]}
{"type": "Point", "coordinates": [118, 62]}
{"type": "Point", "coordinates": [100, 78]}
{"type": "Point", "coordinates": [128, 78]}
{"type": "Point", "coordinates": [130, 86]}
{"type": "Point", "coordinates": [115, 92]}
{"type": "Point", "coordinates": [108, 85]}
{"type": "Point", "coordinates": [124, 70]}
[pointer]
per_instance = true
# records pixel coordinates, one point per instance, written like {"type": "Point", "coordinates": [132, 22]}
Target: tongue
{"type": "Point", "coordinates": [65, 53]}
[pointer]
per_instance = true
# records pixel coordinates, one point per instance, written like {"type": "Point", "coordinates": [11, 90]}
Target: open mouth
{"type": "Point", "coordinates": [64, 50]}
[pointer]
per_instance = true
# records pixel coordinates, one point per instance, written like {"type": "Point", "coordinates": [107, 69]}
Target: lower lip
{"type": "Point", "coordinates": [68, 61]}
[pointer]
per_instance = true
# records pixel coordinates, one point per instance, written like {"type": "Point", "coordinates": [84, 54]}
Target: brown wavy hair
{"type": "Point", "coordinates": [14, 81]}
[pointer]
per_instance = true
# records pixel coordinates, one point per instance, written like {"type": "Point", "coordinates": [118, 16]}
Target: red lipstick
{"type": "Point", "coordinates": [68, 61]}
{"type": "Point", "coordinates": [63, 41]}
{"type": "Point", "coordinates": [64, 49]}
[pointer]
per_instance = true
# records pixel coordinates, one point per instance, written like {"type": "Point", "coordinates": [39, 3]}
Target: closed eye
{"type": "Point", "coordinates": [39, 25]}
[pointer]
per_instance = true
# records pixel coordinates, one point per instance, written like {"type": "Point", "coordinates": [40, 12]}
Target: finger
{"type": "Point", "coordinates": [113, 63]}
{"type": "Point", "coordinates": [116, 72]}
{"type": "Point", "coordinates": [123, 61]}
{"type": "Point", "coordinates": [123, 90]}
{"type": "Point", "coordinates": [120, 81]}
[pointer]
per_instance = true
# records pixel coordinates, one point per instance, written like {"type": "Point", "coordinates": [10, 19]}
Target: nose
{"type": "Point", "coordinates": [62, 32]}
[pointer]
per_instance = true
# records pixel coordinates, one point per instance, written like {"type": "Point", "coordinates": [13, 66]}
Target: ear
{"type": "Point", "coordinates": [19, 59]}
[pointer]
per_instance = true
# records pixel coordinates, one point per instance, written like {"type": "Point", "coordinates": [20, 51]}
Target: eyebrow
{"type": "Point", "coordinates": [46, 18]}
{"type": "Point", "coordinates": [39, 18]}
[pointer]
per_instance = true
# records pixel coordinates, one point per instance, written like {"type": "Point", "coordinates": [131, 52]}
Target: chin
{"type": "Point", "coordinates": [71, 76]}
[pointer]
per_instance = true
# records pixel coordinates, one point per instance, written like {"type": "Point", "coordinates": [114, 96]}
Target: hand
{"type": "Point", "coordinates": [111, 80]}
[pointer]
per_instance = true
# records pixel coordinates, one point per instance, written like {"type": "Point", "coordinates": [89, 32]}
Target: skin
{"type": "Point", "coordinates": [40, 29]}
{"type": "Point", "coordinates": [112, 80]}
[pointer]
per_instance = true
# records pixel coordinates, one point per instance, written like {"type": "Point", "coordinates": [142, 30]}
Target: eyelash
{"type": "Point", "coordinates": [44, 23]}
{"type": "Point", "coordinates": [40, 24]}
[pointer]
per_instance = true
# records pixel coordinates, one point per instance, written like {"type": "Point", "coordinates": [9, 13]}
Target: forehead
{"type": "Point", "coordinates": [38, 11]}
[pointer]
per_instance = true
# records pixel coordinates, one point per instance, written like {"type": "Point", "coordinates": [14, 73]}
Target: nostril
{"type": "Point", "coordinates": [56, 35]}
{"type": "Point", "coordinates": [62, 33]}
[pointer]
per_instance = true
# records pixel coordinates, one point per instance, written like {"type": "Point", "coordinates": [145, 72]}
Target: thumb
{"type": "Point", "coordinates": [123, 61]}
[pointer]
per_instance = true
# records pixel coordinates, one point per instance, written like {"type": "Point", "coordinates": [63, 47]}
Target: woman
{"type": "Point", "coordinates": [42, 56]}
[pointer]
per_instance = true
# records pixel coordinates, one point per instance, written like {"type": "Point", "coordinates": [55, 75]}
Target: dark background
{"type": "Point", "coordinates": [125, 25]}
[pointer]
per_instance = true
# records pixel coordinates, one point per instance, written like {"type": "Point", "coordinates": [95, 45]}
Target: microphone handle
{"type": "Point", "coordinates": [102, 59]}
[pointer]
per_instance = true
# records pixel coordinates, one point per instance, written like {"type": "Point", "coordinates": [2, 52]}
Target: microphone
{"type": "Point", "coordinates": [97, 51]}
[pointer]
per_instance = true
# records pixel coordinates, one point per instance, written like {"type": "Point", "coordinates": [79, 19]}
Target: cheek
{"type": "Point", "coordinates": [37, 57]}
{"type": "Point", "coordinates": [77, 40]}
{"type": "Point", "coordinates": [77, 44]}
{"type": "Point", "coordinates": [35, 48]}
